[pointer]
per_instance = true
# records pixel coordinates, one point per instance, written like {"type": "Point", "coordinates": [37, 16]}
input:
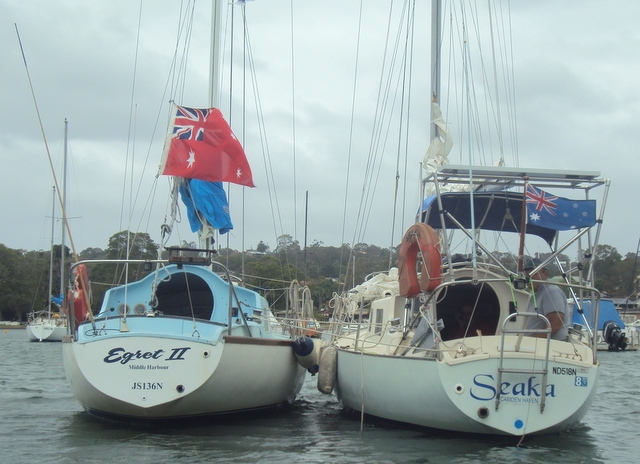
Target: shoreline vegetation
{"type": "Point", "coordinates": [11, 325]}
{"type": "Point", "coordinates": [326, 270]}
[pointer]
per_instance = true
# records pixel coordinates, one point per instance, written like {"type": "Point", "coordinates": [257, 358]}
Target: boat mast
{"type": "Point", "coordinates": [436, 60]}
{"type": "Point", "coordinates": [214, 100]}
{"type": "Point", "coordinates": [214, 64]}
{"type": "Point", "coordinates": [53, 222]}
{"type": "Point", "coordinates": [436, 79]}
{"type": "Point", "coordinates": [64, 209]}
{"type": "Point", "coordinates": [214, 71]}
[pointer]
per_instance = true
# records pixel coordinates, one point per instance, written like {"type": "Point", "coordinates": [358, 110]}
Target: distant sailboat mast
{"type": "Point", "coordinates": [53, 222]}
{"type": "Point", "coordinates": [64, 211]}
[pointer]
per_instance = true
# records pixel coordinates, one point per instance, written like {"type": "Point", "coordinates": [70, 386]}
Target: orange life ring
{"type": "Point", "coordinates": [80, 294]}
{"type": "Point", "coordinates": [419, 237]}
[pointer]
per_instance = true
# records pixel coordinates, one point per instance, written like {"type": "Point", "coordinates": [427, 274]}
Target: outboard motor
{"type": "Point", "coordinates": [613, 336]}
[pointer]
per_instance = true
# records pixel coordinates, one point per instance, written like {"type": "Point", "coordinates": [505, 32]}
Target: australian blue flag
{"type": "Point", "coordinates": [546, 210]}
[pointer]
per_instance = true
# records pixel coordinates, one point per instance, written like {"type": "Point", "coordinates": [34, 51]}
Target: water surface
{"type": "Point", "coordinates": [42, 422]}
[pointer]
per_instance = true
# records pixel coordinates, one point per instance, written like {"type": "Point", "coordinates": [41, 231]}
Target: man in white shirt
{"type": "Point", "coordinates": [549, 301]}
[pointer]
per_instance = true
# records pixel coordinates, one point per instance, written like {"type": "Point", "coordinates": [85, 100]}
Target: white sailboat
{"type": "Point", "coordinates": [185, 341]}
{"type": "Point", "coordinates": [442, 341]}
{"type": "Point", "coordinates": [50, 324]}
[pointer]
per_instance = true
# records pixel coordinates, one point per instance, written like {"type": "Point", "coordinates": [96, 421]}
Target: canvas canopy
{"type": "Point", "coordinates": [493, 210]}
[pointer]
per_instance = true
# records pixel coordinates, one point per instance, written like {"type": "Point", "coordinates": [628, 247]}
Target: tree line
{"type": "Point", "coordinates": [24, 275]}
{"type": "Point", "coordinates": [326, 270]}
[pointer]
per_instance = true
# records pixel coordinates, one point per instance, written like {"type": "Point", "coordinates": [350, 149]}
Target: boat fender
{"type": "Point", "coordinates": [419, 237]}
{"type": "Point", "coordinates": [328, 369]}
{"type": "Point", "coordinates": [80, 291]}
{"type": "Point", "coordinates": [306, 351]}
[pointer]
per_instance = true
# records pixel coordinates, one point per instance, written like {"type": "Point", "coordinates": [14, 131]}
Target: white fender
{"type": "Point", "coordinates": [328, 369]}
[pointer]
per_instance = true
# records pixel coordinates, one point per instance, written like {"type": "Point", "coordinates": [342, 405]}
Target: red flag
{"type": "Point", "coordinates": [202, 146]}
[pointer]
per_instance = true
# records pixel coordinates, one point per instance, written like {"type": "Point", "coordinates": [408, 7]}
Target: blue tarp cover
{"type": "Point", "coordinates": [608, 312]}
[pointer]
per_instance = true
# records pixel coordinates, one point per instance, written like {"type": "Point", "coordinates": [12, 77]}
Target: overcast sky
{"type": "Point", "coordinates": [576, 71]}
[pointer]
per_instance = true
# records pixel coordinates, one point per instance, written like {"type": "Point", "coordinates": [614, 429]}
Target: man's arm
{"type": "Point", "coordinates": [556, 319]}
{"type": "Point", "coordinates": [553, 304]}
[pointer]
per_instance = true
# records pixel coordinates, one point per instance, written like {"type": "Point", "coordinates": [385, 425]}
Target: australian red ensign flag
{"type": "Point", "coordinates": [201, 145]}
{"type": "Point", "coordinates": [552, 212]}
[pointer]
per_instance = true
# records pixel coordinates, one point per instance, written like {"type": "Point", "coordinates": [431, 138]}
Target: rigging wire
{"type": "Point", "coordinates": [274, 202]}
{"type": "Point", "coordinates": [496, 76]}
{"type": "Point", "coordinates": [250, 68]}
{"type": "Point", "coordinates": [394, 98]}
{"type": "Point", "coordinates": [368, 185]}
{"type": "Point", "coordinates": [382, 131]}
{"type": "Point", "coordinates": [407, 69]}
{"type": "Point", "coordinates": [46, 145]}
{"type": "Point", "coordinates": [244, 132]}
{"type": "Point", "coordinates": [65, 219]}
{"type": "Point", "coordinates": [214, 79]}
{"type": "Point", "coordinates": [350, 147]}
{"type": "Point", "coordinates": [293, 122]}
{"type": "Point", "coordinates": [392, 104]}
{"type": "Point", "coordinates": [266, 152]}
{"type": "Point", "coordinates": [382, 122]}
{"type": "Point", "coordinates": [369, 168]}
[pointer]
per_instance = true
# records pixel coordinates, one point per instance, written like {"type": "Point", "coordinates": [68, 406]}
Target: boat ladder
{"type": "Point", "coordinates": [521, 332]}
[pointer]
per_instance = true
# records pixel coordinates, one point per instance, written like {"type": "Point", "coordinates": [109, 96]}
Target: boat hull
{"type": "Point", "coordinates": [164, 377]}
{"type": "Point", "coordinates": [459, 394]}
{"type": "Point", "coordinates": [46, 330]}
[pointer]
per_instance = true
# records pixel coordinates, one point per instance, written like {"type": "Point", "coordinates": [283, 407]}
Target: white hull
{"type": "Point", "coordinates": [460, 394]}
{"type": "Point", "coordinates": [169, 378]}
{"type": "Point", "coordinates": [46, 329]}
{"type": "Point", "coordinates": [490, 381]}
{"type": "Point", "coordinates": [632, 332]}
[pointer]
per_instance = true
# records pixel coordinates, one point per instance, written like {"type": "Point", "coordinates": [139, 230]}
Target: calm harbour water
{"type": "Point", "coordinates": [41, 422]}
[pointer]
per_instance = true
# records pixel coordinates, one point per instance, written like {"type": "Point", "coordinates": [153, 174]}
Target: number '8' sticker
{"type": "Point", "coordinates": [581, 382]}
